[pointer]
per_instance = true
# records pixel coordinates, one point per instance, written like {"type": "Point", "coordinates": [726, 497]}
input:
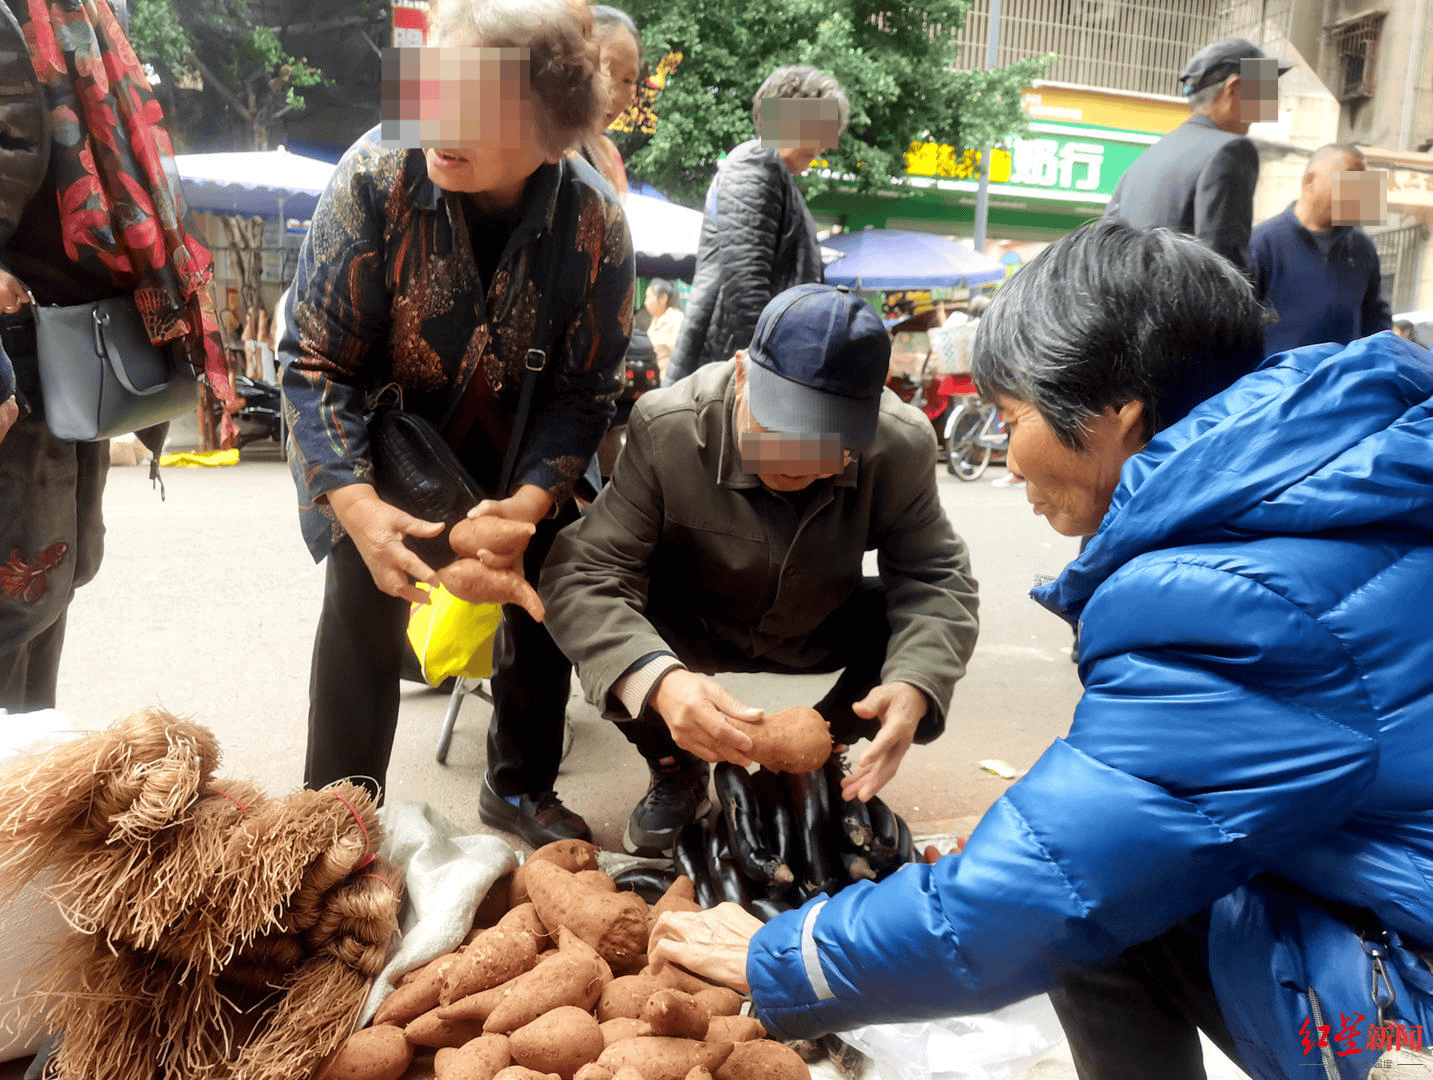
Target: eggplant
{"type": "Point", "coordinates": [811, 807]}
{"type": "Point", "coordinates": [726, 877]}
{"type": "Point", "coordinates": [885, 837]}
{"type": "Point", "coordinates": [689, 855]}
{"type": "Point", "coordinates": [851, 819]}
{"type": "Point", "coordinates": [905, 845]}
{"type": "Point", "coordinates": [766, 908]}
{"type": "Point", "coordinates": [856, 868]}
{"type": "Point", "coordinates": [776, 813]}
{"type": "Point", "coordinates": [648, 882]}
{"type": "Point", "coordinates": [746, 834]}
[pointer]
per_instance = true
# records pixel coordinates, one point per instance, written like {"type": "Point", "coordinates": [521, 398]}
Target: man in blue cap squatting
{"type": "Point", "coordinates": [732, 538]}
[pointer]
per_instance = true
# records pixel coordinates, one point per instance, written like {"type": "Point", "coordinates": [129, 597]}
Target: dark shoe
{"type": "Point", "coordinates": [677, 797]}
{"type": "Point", "coordinates": [539, 819]}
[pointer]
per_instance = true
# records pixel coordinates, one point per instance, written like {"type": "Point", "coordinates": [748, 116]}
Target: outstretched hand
{"type": "Point", "coordinates": [712, 944]}
{"type": "Point", "coordinates": [698, 711]}
{"type": "Point", "coordinates": [899, 707]}
{"type": "Point", "coordinates": [378, 530]}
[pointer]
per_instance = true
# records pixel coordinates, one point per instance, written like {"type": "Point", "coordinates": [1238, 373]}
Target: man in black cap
{"type": "Point", "coordinates": [731, 539]}
{"type": "Point", "coordinates": [1200, 178]}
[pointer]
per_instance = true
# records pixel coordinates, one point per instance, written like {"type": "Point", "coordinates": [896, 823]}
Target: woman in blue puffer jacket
{"type": "Point", "coordinates": [1237, 834]}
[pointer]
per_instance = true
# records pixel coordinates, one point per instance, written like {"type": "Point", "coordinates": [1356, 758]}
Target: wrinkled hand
{"type": "Point", "coordinates": [13, 295]}
{"type": "Point", "coordinates": [697, 711]}
{"type": "Point", "coordinates": [9, 413]}
{"type": "Point", "coordinates": [712, 944]}
{"type": "Point", "coordinates": [529, 503]}
{"type": "Point", "coordinates": [899, 707]}
{"type": "Point", "coordinates": [378, 530]}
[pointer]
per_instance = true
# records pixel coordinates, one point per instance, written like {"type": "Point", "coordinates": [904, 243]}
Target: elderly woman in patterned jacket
{"type": "Point", "coordinates": [1237, 833]}
{"type": "Point", "coordinates": [423, 271]}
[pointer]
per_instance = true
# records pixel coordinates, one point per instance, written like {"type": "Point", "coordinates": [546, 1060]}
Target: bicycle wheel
{"type": "Point", "coordinates": [965, 458]}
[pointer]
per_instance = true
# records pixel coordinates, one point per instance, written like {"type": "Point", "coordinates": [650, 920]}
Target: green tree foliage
{"type": "Point", "coordinates": [242, 54]}
{"type": "Point", "coordinates": [893, 60]}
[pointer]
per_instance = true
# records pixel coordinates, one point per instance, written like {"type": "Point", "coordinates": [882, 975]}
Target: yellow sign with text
{"type": "Point", "coordinates": [937, 159]}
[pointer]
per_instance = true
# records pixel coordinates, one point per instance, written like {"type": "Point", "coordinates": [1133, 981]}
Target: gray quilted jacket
{"type": "Point", "coordinates": [758, 239]}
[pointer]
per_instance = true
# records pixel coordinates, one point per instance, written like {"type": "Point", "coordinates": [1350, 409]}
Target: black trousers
{"type": "Point", "coordinates": [353, 684]}
{"type": "Point", "coordinates": [854, 637]}
{"type": "Point", "coordinates": [1140, 1015]}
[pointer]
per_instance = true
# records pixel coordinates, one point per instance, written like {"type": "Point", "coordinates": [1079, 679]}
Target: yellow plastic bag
{"type": "Point", "coordinates": [452, 637]}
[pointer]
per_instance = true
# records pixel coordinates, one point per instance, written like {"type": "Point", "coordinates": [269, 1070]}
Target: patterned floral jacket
{"type": "Point", "coordinates": [388, 294]}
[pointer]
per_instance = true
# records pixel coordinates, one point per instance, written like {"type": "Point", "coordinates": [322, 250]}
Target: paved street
{"type": "Point", "coordinates": [206, 605]}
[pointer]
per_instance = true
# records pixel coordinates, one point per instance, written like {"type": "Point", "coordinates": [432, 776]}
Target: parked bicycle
{"type": "Point", "coordinates": [974, 433]}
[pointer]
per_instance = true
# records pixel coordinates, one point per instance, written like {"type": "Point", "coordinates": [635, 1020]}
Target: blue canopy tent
{"type": "Point", "coordinates": [877, 259]}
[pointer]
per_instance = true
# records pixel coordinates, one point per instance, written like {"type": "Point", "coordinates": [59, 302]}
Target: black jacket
{"type": "Point", "coordinates": [1198, 179]}
{"type": "Point", "coordinates": [1319, 298]}
{"type": "Point", "coordinates": [758, 239]}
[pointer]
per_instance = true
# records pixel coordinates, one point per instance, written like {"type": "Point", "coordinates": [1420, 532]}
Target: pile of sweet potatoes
{"type": "Point", "coordinates": [782, 838]}
{"type": "Point", "coordinates": [558, 987]}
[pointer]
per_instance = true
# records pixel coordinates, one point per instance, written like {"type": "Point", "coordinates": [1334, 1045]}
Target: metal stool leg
{"type": "Point", "coordinates": [462, 687]}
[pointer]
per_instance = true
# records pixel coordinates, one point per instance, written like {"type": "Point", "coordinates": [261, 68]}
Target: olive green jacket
{"type": "Point", "coordinates": [682, 527]}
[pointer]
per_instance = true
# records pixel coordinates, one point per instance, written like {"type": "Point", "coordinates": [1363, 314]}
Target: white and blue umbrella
{"type": "Point", "coordinates": [893, 259]}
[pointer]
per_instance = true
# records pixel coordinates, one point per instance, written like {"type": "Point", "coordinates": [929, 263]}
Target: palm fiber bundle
{"type": "Point", "coordinates": [218, 934]}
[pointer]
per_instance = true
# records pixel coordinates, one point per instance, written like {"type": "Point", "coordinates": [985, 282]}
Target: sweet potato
{"type": "Point", "coordinates": [375, 1053]}
{"type": "Point", "coordinates": [564, 977]}
{"type": "Point", "coordinates": [470, 580]}
{"type": "Point", "coordinates": [593, 1071]}
{"type": "Point", "coordinates": [623, 1027]}
{"type": "Point", "coordinates": [560, 1041]}
{"type": "Point", "coordinates": [660, 1057]}
{"type": "Point", "coordinates": [734, 1029]}
{"type": "Point", "coordinates": [615, 924]}
{"type": "Point", "coordinates": [495, 903]}
{"type": "Point", "coordinates": [477, 1059]}
{"type": "Point", "coordinates": [678, 979]}
{"type": "Point", "coordinates": [682, 896]}
{"type": "Point", "coordinates": [522, 1072]}
{"type": "Point", "coordinates": [762, 1059]}
{"type": "Point", "coordinates": [430, 1029]}
{"type": "Point", "coordinates": [502, 537]}
{"type": "Point", "coordinates": [625, 995]}
{"type": "Point", "coordinates": [477, 1006]}
{"type": "Point", "coordinates": [596, 879]}
{"type": "Point", "coordinates": [671, 1012]}
{"type": "Point", "coordinates": [524, 917]}
{"type": "Point", "coordinates": [795, 740]}
{"type": "Point", "coordinates": [574, 855]}
{"type": "Point", "coordinates": [699, 1073]}
{"type": "Point", "coordinates": [417, 993]}
{"type": "Point", "coordinates": [719, 1000]}
{"type": "Point", "coordinates": [628, 1072]}
{"type": "Point", "coordinates": [569, 942]}
{"type": "Point", "coordinates": [493, 957]}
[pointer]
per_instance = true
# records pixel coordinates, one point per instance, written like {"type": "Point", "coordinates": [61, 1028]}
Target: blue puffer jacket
{"type": "Point", "coordinates": [1257, 656]}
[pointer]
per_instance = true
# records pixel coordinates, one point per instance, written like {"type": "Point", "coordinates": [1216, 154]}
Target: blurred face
{"type": "Point", "coordinates": [1318, 188]}
{"type": "Point", "coordinates": [781, 461]}
{"type": "Point", "coordinates": [655, 303]}
{"type": "Point", "coordinates": [799, 129]}
{"type": "Point", "coordinates": [470, 109]}
{"type": "Point", "coordinates": [1071, 489]}
{"type": "Point", "coordinates": [620, 64]}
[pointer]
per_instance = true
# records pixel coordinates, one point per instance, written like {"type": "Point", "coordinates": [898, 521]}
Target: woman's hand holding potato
{"type": "Point", "coordinates": [712, 944]}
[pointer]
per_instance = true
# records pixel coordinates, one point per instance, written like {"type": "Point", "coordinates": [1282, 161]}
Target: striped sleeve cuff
{"type": "Point", "coordinates": [633, 688]}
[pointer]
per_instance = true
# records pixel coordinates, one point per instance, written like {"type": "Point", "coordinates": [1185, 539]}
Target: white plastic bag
{"type": "Point", "coordinates": [983, 1047]}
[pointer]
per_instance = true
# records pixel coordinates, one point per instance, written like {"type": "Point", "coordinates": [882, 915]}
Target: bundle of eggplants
{"type": "Point", "coordinates": [778, 839]}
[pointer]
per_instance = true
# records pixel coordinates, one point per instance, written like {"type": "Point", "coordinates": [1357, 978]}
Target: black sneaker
{"type": "Point", "coordinates": [539, 818]}
{"type": "Point", "coordinates": [678, 796]}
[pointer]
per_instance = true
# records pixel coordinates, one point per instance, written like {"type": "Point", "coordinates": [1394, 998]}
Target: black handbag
{"type": "Point", "coordinates": [416, 469]}
{"type": "Point", "coordinates": [101, 376]}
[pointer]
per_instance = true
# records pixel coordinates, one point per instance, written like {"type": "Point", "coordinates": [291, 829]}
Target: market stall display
{"type": "Point", "coordinates": [558, 985]}
{"type": "Point", "coordinates": [216, 932]}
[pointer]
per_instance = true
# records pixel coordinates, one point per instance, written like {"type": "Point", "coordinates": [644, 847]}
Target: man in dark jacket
{"type": "Point", "coordinates": [1318, 271]}
{"type": "Point", "coordinates": [731, 539]}
{"type": "Point", "coordinates": [1200, 178]}
{"type": "Point", "coordinates": [758, 238]}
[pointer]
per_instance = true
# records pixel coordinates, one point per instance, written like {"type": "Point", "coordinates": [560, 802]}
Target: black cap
{"type": "Point", "coordinates": [1215, 63]}
{"type": "Point", "coordinates": [817, 364]}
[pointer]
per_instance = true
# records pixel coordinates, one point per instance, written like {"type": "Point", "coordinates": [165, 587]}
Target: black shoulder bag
{"type": "Point", "coordinates": [414, 466]}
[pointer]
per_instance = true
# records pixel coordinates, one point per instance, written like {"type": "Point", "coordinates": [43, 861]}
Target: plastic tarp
{"type": "Point", "coordinates": [664, 236]}
{"type": "Point", "coordinates": [893, 259]}
{"type": "Point", "coordinates": [254, 182]}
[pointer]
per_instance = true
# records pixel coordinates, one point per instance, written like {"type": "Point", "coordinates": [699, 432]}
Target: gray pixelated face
{"type": "Point", "coordinates": [1360, 197]}
{"type": "Point", "coordinates": [795, 123]}
{"type": "Point", "coordinates": [1258, 90]}
{"type": "Point", "coordinates": [457, 97]}
{"type": "Point", "coordinates": [768, 453]}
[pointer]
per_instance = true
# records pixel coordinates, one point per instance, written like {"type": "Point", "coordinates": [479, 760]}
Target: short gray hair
{"type": "Point", "coordinates": [569, 91]}
{"type": "Point", "coordinates": [1111, 314]}
{"type": "Point", "coordinates": [801, 82]}
{"type": "Point", "coordinates": [1202, 99]}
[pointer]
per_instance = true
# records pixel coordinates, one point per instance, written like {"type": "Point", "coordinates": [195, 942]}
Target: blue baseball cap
{"type": "Point", "coordinates": [817, 364]}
